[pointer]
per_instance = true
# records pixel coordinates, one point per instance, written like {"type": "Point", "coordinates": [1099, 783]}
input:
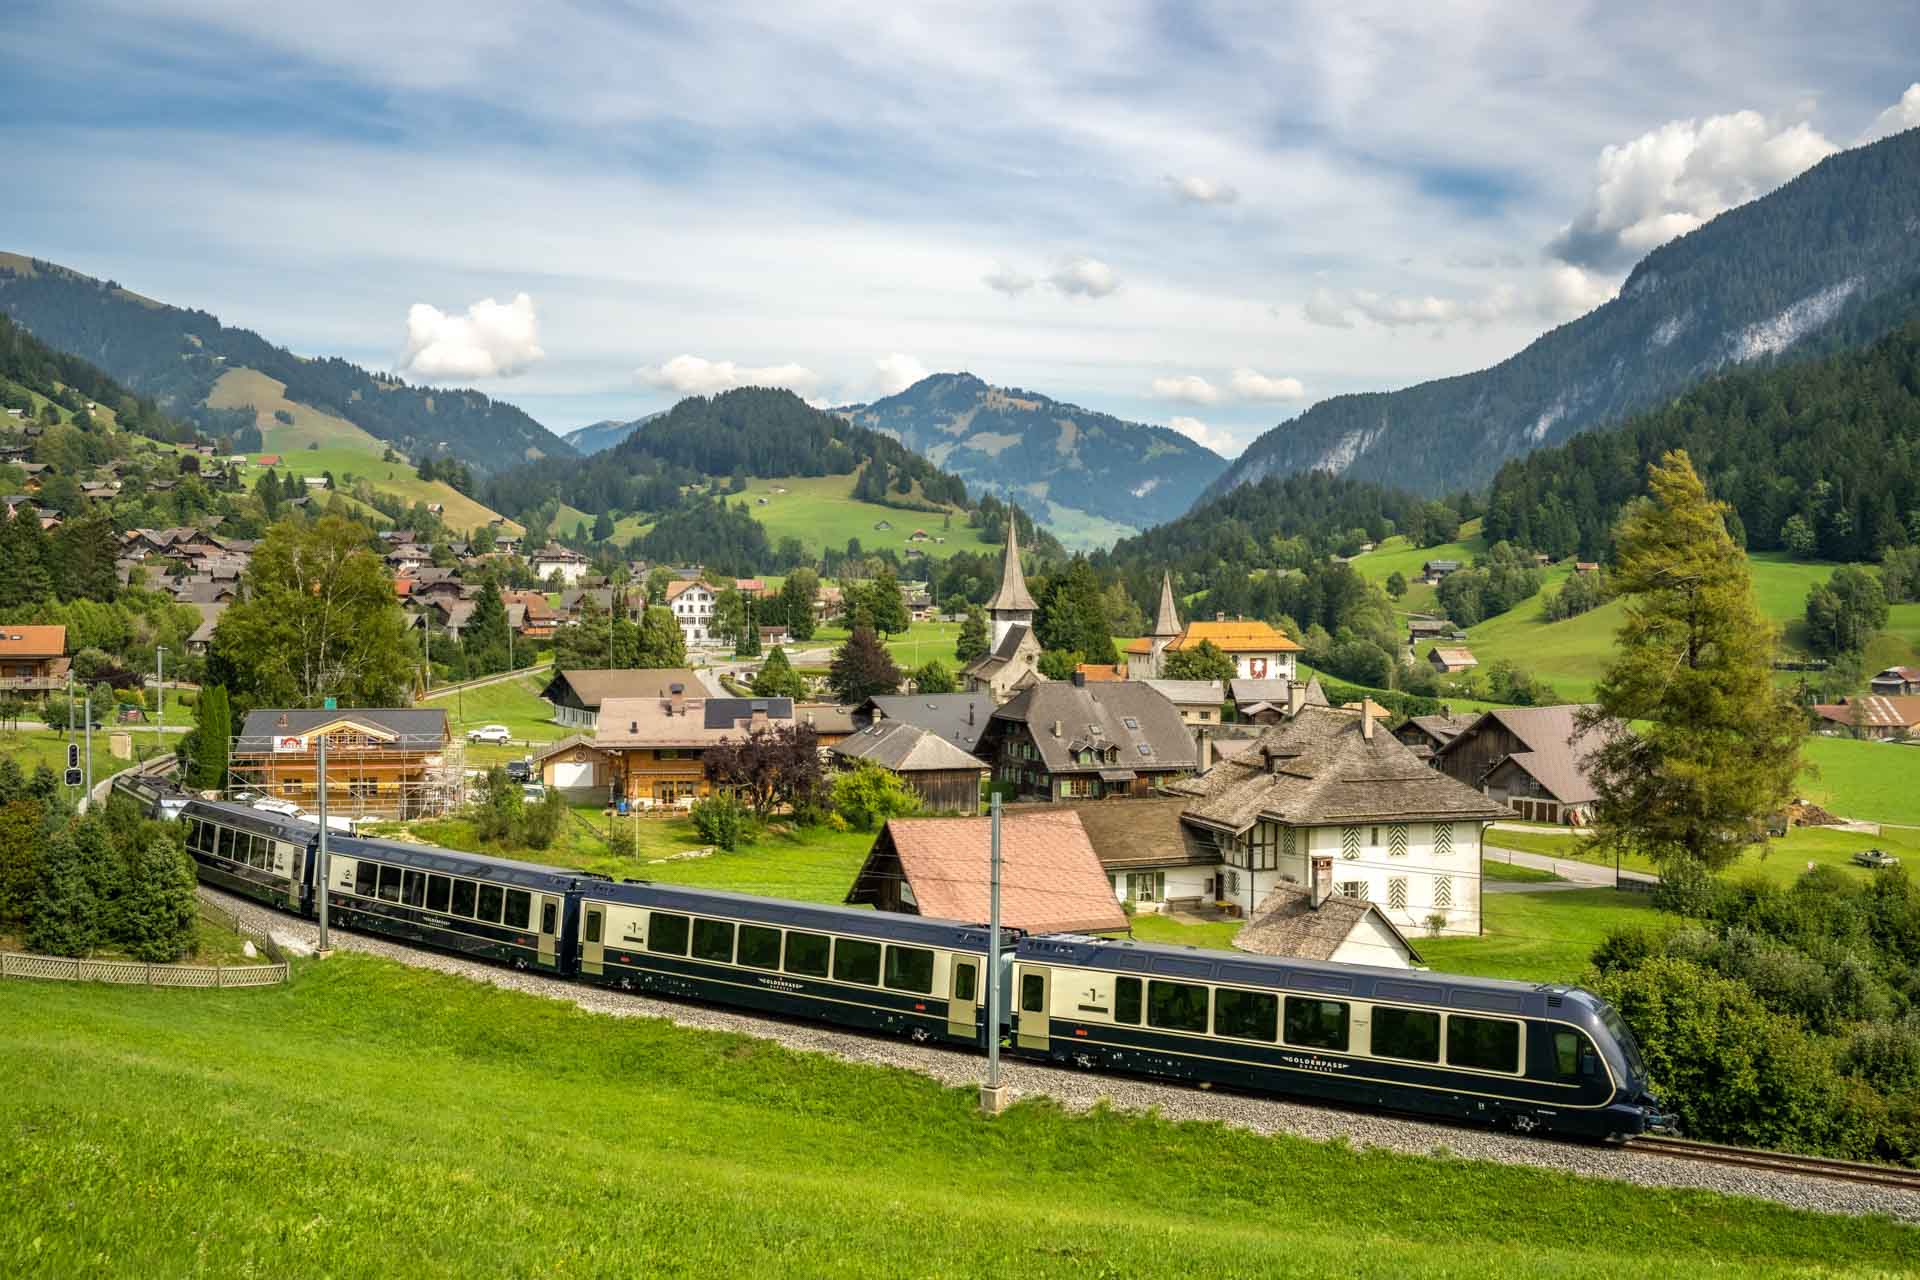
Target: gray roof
{"type": "Point", "coordinates": [1189, 692]}
{"type": "Point", "coordinates": [1442, 729]}
{"type": "Point", "coordinates": [1166, 622]}
{"type": "Point", "coordinates": [1287, 924]}
{"type": "Point", "coordinates": [1003, 653]}
{"type": "Point", "coordinates": [905, 748]}
{"type": "Point", "coordinates": [1319, 768]}
{"type": "Point", "coordinates": [592, 688]}
{"type": "Point", "coordinates": [959, 718]}
{"type": "Point", "coordinates": [1129, 833]}
{"type": "Point", "coordinates": [724, 713]}
{"type": "Point", "coordinates": [1553, 755]}
{"type": "Point", "coordinates": [1097, 715]}
{"type": "Point", "coordinates": [1274, 692]}
{"type": "Point", "coordinates": [1013, 593]}
{"type": "Point", "coordinates": [414, 725]}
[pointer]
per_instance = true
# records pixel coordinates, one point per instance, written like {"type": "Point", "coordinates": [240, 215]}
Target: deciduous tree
{"type": "Point", "coordinates": [1203, 661]}
{"type": "Point", "coordinates": [768, 767]}
{"type": "Point", "coordinates": [778, 679]}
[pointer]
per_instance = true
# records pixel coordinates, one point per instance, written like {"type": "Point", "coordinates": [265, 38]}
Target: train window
{"type": "Point", "coordinates": [1573, 1055]}
{"type": "Point", "coordinates": [226, 843]}
{"type": "Point", "coordinates": [490, 900]}
{"type": "Point", "coordinates": [413, 889]}
{"type": "Point", "coordinates": [1126, 1001]}
{"type": "Point", "coordinates": [807, 954]}
{"type": "Point", "coordinates": [549, 917]}
{"type": "Point", "coordinates": [463, 897]}
{"type": "Point", "coordinates": [519, 908]}
{"type": "Point", "coordinates": [1483, 1044]}
{"type": "Point", "coordinates": [1317, 1024]}
{"type": "Point", "coordinates": [1033, 993]}
{"type": "Point", "coordinates": [759, 946]}
{"type": "Point", "coordinates": [390, 884]}
{"type": "Point", "coordinates": [667, 934]}
{"type": "Point", "coordinates": [856, 960]}
{"type": "Point", "coordinates": [966, 978]}
{"type": "Point", "coordinates": [439, 890]}
{"type": "Point", "coordinates": [258, 854]}
{"type": "Point", "coordinates": [713, 940]}
{"type": "Point", "coordinates": [365, 876]}
{"type": "Point", "coordinates": [594, 916]}
{"type": "Point", "coordinates": [1413, 1034]}
{"type": "Point", "coordinates": [910, 969]}
{"type": "Point", "coordinates": [1176, 1006]}
{"type": "Point", "coordinates": [1246, 1015]}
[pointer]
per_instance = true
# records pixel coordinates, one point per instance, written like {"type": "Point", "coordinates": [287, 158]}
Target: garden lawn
{"type": "Point", "coordinates": [373, 1120]}
{"type": "Point", "coordinates": [31, 748]}
{"type": "Point", "coordinates": [912, 648]}
{"type": "Point", "coordinates": [515, 703]}
{"type": "Point", "coordinates": [1876, 781]}
{"type": "Point", "coordinates": [1782, 860]}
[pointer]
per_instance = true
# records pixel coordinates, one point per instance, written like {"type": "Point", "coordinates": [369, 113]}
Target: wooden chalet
{"type": "Point", "coordinates": [382, 762]}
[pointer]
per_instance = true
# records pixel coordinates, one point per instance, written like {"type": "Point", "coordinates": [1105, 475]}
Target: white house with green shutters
{"type": "Point", "coordinates": [1330, 786]}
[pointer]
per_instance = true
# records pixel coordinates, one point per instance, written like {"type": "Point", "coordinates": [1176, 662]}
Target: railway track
{"type": "Point", "coordinates": [1880, 1175]}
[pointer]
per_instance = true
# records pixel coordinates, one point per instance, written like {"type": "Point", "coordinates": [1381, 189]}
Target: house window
{"type": "Point", "coordinates": [1266, 846]}
{"type": "Point", "coordinates": [1443, 839]}
{"type": "Point", "coordinates": [1397, 840]}
{"type": "Point", "coordinates": [1397, 893]}
{"type": "Point", "coordinates": [1443, 891]}
{"type": "Point", "coordinates": [1352, 889]}
{"type": "Point", "coordinates": [1350, 842]}
{"type": "Point", "coordinates": [1373, 837]}
{"type": "Point", "coordinates": [1233, 881]}
{"type": "Point", "coordinates": [1286, 842]}
{"type": "Point", "coordinates": [1146, 886]}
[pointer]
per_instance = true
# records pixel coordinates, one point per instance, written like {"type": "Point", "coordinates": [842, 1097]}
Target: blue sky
{"type": "Point", "coordinates": [1207, 216]}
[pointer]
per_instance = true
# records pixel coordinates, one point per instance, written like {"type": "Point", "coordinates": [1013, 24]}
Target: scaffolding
{"type": "Point", "coordinates": [396, 778]}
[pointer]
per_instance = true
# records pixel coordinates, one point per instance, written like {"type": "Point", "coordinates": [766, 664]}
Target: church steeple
{"type": "Point", "coordinates": [1167, 622]}
{"type": "Point", "coordinates": [1012, 605]}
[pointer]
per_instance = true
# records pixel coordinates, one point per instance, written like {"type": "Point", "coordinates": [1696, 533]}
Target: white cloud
{"type": "Point", "coordinates": [1198, 190]}
{"type": "Point", "coordinates": [1898, 118]}
{"type": "Point", "coordinates": [1188, 389]}
{"type": "Point", "coordinates": [1672, 179]}
{"type": "Point", "coordinates": [489, 341]}
{"type": "Point", "coordinates": [1569, 292]}
{"type": "Point", "coordinates": [1084, 277]}
{"type": "Point", "coordinates": [1249, 384]}
{"type": "Point", "coordinates": [896, 372]}
{"type": "Point", "coordinates": [695, 376]}
{"type": "Point", "coordinates": [1325, 307]}
{"type": "Point", "coordinates": [1561, 293]}
{"type": "Point", "coordinates": [1007, 280]}
{"type": "Point", "coordinates": [1221, 442]}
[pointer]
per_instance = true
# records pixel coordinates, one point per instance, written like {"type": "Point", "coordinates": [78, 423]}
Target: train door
{"type": "Point", "coordinates": [549, 928]}
{"type": "Point", "coordinates": [965, 997]}
{"type": "Point", "coordinates": [593, 928]}
{"type": "Point", "coordinates": [1036, 986]}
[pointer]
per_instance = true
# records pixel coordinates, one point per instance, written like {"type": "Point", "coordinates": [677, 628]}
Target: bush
{"type": "Point", "coordinates": [65, 916]}
{"type": "Point", "coordinates": [1686, 889]}
{"type": "Point", "coordinates": [541, 824]}
{"type": "Point", "coordinates": [723, 821]}
{"type": "Point", "coordinates": [866, 797]}
{"type": "Point", "coordinates": [153, 916]}
{"type": "Point", "coordinates": [1887, 1055]}
{"type": "Point", "coordinates": [499, 811]}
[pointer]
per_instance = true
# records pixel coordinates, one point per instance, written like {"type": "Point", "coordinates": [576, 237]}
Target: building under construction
{"type": "Point", "coordinates": [382, 762]}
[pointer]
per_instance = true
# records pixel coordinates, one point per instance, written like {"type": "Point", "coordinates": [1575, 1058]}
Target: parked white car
{"type": "Point", "coordinates": [285, 808]}
{"type": "Point", "coordinates": [490, 733]}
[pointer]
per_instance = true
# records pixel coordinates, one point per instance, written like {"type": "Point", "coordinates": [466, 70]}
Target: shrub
{"type": "Point", "coordinates": [867, 797]}
{"type": "Point", "coordinates": [499, 812]}
{"type": "Point", "coordinates": [1686, 889]}
{"type": "Point", "coordinates": [1886, 1055]}
{"type": "Point", "coordinates": [723, 821]}
{"type": "Point", "coordinates": [153, 916]}
{"type": "Point", "coordinates": [65, 916]}
{"type": "Point", "coordinates": [541, 824]}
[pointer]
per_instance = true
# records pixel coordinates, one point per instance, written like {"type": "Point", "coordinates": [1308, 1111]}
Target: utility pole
{"type": "Point", "coordinates": [160, 681]}
{"type": "Point", "coordinates": [320, 876]}
{"type": "Point", "coordinates": [993, 1099]}
{"type": "Point", "coordinates": [89, 719]}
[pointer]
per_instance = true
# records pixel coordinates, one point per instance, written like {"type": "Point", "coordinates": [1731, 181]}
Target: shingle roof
{"type": "Point", "coordinates": [1128, 832]}
{"type": "Point", "coordinates": [959, 718]}
{"type": "Point", "coordinates": [1876, 711]}
{"type": "Point", "coordinates": [1553, 755]}
{"type": "Point", "coordinates": [1320, 768]}
{"type": "Point", "coordinates": [651, 722]}
{"type": "Point", "coordinates": [1097, 715]}
{"type": "Point", "coordinates": [593, 688]}
{"type": "Point", "coordinates": [1003, 653]}
{"type": "Point", "coordinates": [905, 748]}
{"type": "Point", "coordinates": [412, 726]}
{"type": "Point", "coordinates": [826, 717]}
{"type": "Point", "coordinates": [1287, 924]}
{"type": "Point", "coordinates": [1050, 879]}
{"type": "Point", "coordinates": [1189, 692]}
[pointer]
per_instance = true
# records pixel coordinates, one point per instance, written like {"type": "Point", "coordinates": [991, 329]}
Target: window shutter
{"type": "Point", "coordinates": [1397, 893]}
{"type": "Point", "coordinates": [1286, 841]}
{"type": "Point", "coordinates": [1350, 842]}
{"type": "Point", "coordinates": [1443, 892]}
{"type": "Point", "coordinates": [1442, 839]}
{"type": "Point", "coordinates": [1397, 839]}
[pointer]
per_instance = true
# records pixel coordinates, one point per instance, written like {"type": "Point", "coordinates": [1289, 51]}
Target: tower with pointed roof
{"type": "Point", "coordinates": [1013, 661]}
{"type": "Point", "coordinates": [1012, 605]}
{"type": "Point", "coordinates": [1145, 655]}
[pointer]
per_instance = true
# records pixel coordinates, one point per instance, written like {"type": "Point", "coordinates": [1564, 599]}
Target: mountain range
{"type": "Point", "coordinates": [1089, 476]}
{"type": "Point", "coordinates": [218, 376]}
{"type": "Point", "coordinates": [1760, 283]}
{"type": "Point", "coordinates": [598, 437]}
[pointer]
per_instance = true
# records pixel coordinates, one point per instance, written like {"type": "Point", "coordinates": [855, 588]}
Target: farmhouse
{"type": "Point", "coordinates": [385, 762]}
{"type": "Point", "coordinates": [577, 696]}
{"type": "Point", "coordinates": [658, 744]}
{"type": "Point", "coordinates": [1063, 740]}
{"type": "Point", "coordinates": [1527, 758]}
{"type": "Point", "coordinates": [946, 779]}
{"type": "Point", "coordinates": [1871, 716]}
{"type": "Point", "coordinates": [32, 659]}
{"type": "Point", "coordinates": [552, 559]}
{"type": "Point", "coordinates": [1434, 570]}
{"type": "Point", "coordinates": [958, 718]}
{"type": "Point", "coordinates": [1452, 660]}
{"type": "Point", "coordinates": [1050, 880]}
{"type": "Point", "coordinates": [1896, 682]}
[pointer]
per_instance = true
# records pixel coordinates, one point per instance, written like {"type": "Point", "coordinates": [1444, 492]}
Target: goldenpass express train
{"type": "Point", "coordinates": [1546, 1058]}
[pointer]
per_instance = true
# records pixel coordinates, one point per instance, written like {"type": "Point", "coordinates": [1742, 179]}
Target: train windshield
{"type": "Point", "coordinates": [1617, 1028]}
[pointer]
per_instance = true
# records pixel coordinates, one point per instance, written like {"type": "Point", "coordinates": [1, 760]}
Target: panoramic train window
{"type": "Point", "coordinates": [713, 940]}
{"type": "Point", "coordinates": [856, 960]}
{"type": "Point", "coordinates": [759, 946]}
{"type": "Point", "coordinates": [1033, 993]}
{"type": "Point", "coordinates": [1126, 1000]}
{"type": "Point", "coordinates": [490, 897]}
{"type": "Point", "coordinates": [1413, 1034]}
{"type": "Point", "coordinates": [1484, 1044]}
{"type": "Point", "coordinates": [1245, 1015]}
{"type": "Point", "coordinates": [807, 954]}
{"type": "Point", "coordinates": [463, 897]}
{"type": "Point", "coordinates": [366, 876]}
{"type": "Point", "coordinates": [1573, 1055]}
{"type": "Point", "coordinates": [1176, 1006]}
{"type": "Point", "coordinates": [519, 908]}
{"type": "Point", "coordinates": [910, 969]}
{"type": "Point", "coordinates": [413, 889]}
{"type": "Point", "coordinates": [667, 934]}
{"type": "Point", "coordinates": [390, 884]}
{"type": "Point", "coordinates": [226, 842]}
{"type": "Point", "coordinates": [1316, 1024]}
{"type": "Point", "coordinates": [438, 891]}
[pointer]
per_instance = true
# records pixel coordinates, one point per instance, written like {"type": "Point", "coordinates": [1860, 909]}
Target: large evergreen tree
{"type": "Point", "coordinates": [861, 668]}
{"type": "Point", "coordinates": [1073, 615]}
{"type": "Point", "coordinates": [778, 679]}
{"type": "Point", "coordinates": [660, 642]}
{"type": "Point", "coordinates": [25, 575]}
{"type": "Point", "coordinates": [153, 916]}
{"type": "Point", "coordinates": [797, 595]}
{"type": "Point", "coordinates": [485, 637]}
{"type": "Point", "coordinates": [1715, 746]}
{"type": "Point", "coordinates": [65, 916]}
{"type": "Point", "coordinates": [214, 739]}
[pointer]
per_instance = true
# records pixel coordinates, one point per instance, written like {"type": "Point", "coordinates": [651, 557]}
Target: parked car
{"type": "Point", "coordinates": [285, 808]}
{"type": "Point", "coordinates": [534, 792]}
{"type": "Point", "coordinates": [519, 770]}
{"type": "Point", "coordinates": [490, 733]}
{"type": "Point", "coordinates": [1875, 858]}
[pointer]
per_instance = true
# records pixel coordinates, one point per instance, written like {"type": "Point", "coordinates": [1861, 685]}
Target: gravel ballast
{"type": "Point", "coordinates": [1077, 1090]}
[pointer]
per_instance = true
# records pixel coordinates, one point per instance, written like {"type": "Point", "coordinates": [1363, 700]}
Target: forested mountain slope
{"type": "Point", "coordinates": [177, 355]}
{"type": "Point", "coordinates": [1757, 284]}
{"type": "Point", "coordinates": [1045, 454]}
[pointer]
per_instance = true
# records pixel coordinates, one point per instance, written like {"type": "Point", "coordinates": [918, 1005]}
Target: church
{"type": "Point", "coordinates": [1012, 661]}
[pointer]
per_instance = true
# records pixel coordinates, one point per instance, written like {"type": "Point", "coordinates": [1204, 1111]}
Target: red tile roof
{"type": "Point", "coordinates": [32, 642]}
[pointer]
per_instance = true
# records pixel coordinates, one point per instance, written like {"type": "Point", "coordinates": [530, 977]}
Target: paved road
{"type": "Point", "coordinates": [1578, 875]}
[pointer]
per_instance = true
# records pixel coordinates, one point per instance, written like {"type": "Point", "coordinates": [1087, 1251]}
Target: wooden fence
{"type": "Point", "coordinates": [134, 973]}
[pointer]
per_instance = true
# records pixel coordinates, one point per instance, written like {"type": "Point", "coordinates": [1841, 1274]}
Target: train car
{"type": "Point", "coordinates": [1549, 1058]}
{"type": "Point", "coordinates": [259, 855]}
{"type": "Point", "coordinates": [872, 970]}
{"type": "Point", "coordinates": [496, 909]}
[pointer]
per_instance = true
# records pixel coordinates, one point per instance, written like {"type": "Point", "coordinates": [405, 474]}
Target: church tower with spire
{"type": "Point", "coordinates": [1013, 661]}
{"type": "Point", "coordinates": [1012, 605]}
{"type": "Point", "coordinates": [1144, 656]}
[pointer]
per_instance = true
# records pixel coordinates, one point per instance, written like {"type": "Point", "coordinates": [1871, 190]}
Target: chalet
{"type": "Point", "coordinates": [946, 779]}
{"type": "Point", "coordinates": [573, 603]}
{"type": "Point", "coordinates": [1259, 652]}
{"type": "Point", "coordinates": [1423, 629]}
{"type": "Point", "coordinates": [202, 638]}
{"type": "Point", "coordinates": [1896, 682]}
{"type": "Point", "coordinates": [32, 659]}
{"type": "Point", "coordinates": [1318, 924]}
{"type": "Point", "coordinates": [576, 768]}
{"type": "Point", "coordinates": [408, 558]}
{"type": "Point", "coordinates": [1198, 701]}
{"type": "Point", "coordinates": [831, 723]}
{"type": "Point", "coordinates": [692, 603]}
{"type": "Point", "coordinates": [1585, 566]}
{"type": "Point", "coordinates": [1451, 660]}
{"type": "Point", "coordinates": [776, 634]}
{"type": "Point", "coordinates": [658, 745]}
{"type": "Point", "coordinates": [1427, 734]}
{"type": "Point", "coordinates": [1050, 880]}
{"type": "Point", "coordinates": [1060, 740]}
{"type": "Point", "coordinates": [958, 718]}
{"type": "Point", "coordinates": [384, 762]}
{"type": "Point", "coordinates": [535, 620]}
{"type": "Point", "coordinates": [206, 591]}
{"type": "Point", "coordinates": [552, 559]}
{"type": "Point", "coordinates": [1872, 716]}
{"type": "Point", "coordinates": [1012, 663]}
{"type": "Point", "coordinates": [1434, 570]}
{"type": "Point", "coordinates": [1528, 758]}
{"type": "Point", "coordinates": [1329, 786]}
{"type": "Point", "coordinates": [577, 696]}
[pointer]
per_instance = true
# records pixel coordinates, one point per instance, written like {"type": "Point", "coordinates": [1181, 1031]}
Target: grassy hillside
{"type": "Point", "coordinates": [397, 478]}
{"type": "Point", "coordinates": [821, 512]}
{"type": "Point", "coordinates": [1397, 555]}
{"type": "Point", "coordinates": [435, 1126]}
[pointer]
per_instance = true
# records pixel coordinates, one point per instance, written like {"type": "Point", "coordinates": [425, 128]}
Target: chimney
{"type": "Point", "coordinates": [1219, 617]}
{"type": "Point", "coordinates": [676, 699]}
{"type": "Point", "coordinates": [1321, 882]}
{"type": "Point", "coordinates": [969, 711]}
{"type": "Point", "coordinates": [1296, 698]}
{"type": "Point", "coordinates": [1079, 678]}
{"type": "Point", "coordinates": [1056, 728]}
{"type": "Point", "coordinates": [1203, 744]}
{"type": "Point", "coordinates": [1366, 720]}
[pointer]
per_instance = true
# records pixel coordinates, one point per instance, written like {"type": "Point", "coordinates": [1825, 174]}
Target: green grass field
{"type": "Point", "coordinates": [31, 748]}
{"type": "Point", "coordinates": [515, 703]}
{"type": "Point", "coordinates": [1397, 555]}
{"type": "Point", "coordinates": [1781, 860]}
{"type": "Point", "coordinates": [821, 512]}
{"type": "Point", "coordinates": [912, 648]}
{"type": "Point", "coordinates": [1538, 937]}
{"type": "Point", "coordinates": [373, 1120]}
{"type": "Point", "coordinates": [1877, 781]}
